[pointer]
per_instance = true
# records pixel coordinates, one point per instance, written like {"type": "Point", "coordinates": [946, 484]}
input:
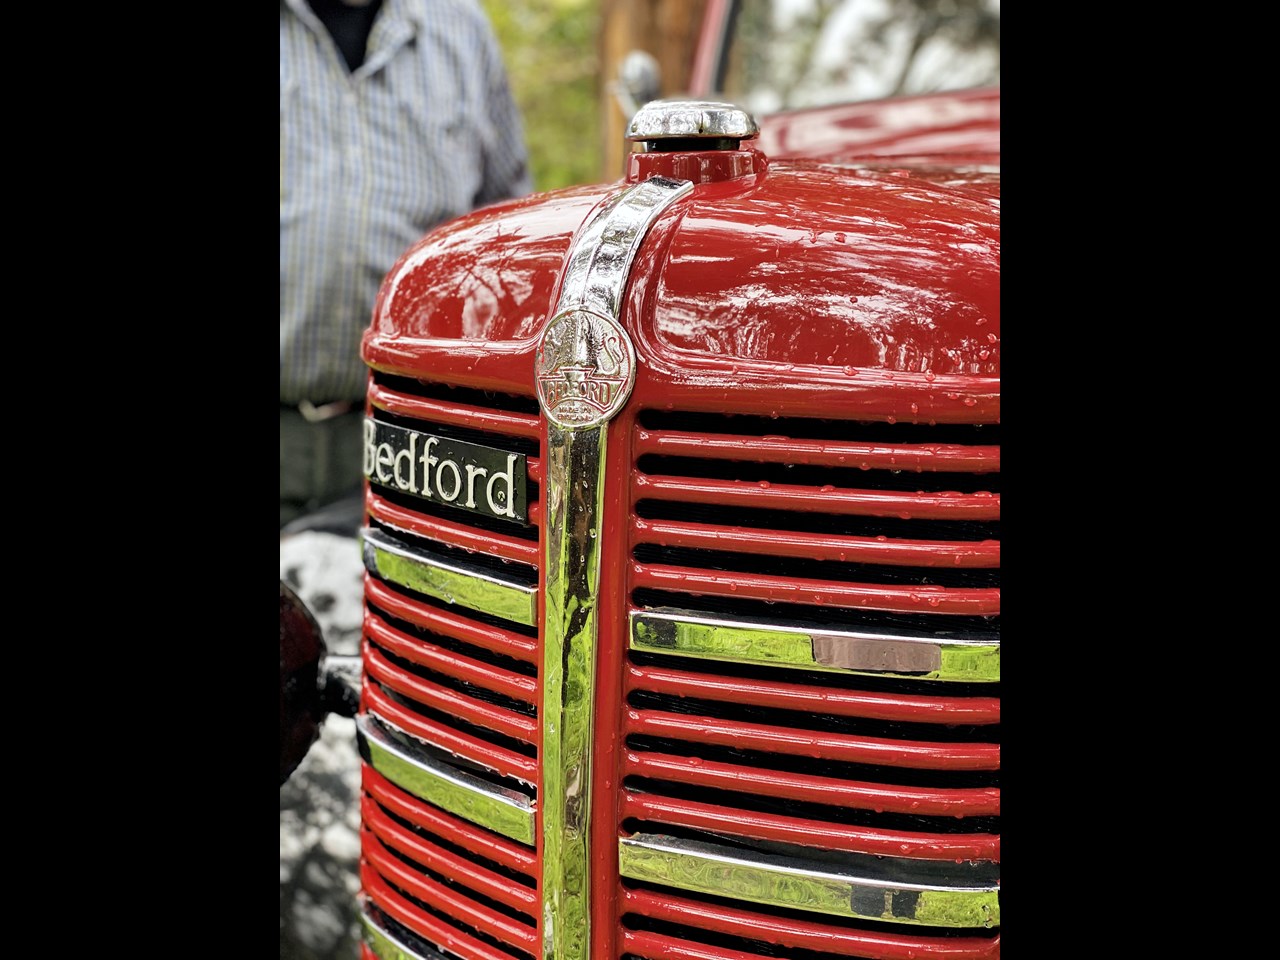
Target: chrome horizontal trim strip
{"type": "Point", "coordinates": [384, 945]}
{"type": "Point", "coordinates": [394, 560]}
{"type": "Point", "coordinates": [503, 811]}
{"type": "Point", "coordinates": [867, 888]}
{"type": "Point", "coordinates": [688, 634]}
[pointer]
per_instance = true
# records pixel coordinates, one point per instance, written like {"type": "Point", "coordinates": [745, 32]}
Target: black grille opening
{"type": "Point", "coordinates": [457, 646]}
{"type": "Point", "coordinates": [511, 571]}
{"type": "Point", "coordinates": [455, 722]}
{"type": "Point", "coordinates": [838, 525]}
{"type": "Point", "coordinates": [457, 849]}
{"type": "Point", "coordinates": [634, 921]}
{"type": "Point", "coordinates": [809, 428]}
{"type": "Point", "coordinates": [803, 568]}
{"type": "Point", "coordinates": [445, 511]}
{"type": "Point", "coordinates": [802, 475]}
{"type": "Point", "coordinates": [464, 687]}
{"type": "Point", "coordinates": [814, 721]}
{"type": "Point", "coordinates": [812, 766]}
{"type": "Point", "coordinates": [527, 446]}
{"type": "Point", "coordinates": [447, 393]}
{"type": "Point", "coordinates": [940, 626]}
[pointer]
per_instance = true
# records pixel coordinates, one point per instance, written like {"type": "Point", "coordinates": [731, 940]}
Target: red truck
{"type": "Point", "coordinates": [681, 630]}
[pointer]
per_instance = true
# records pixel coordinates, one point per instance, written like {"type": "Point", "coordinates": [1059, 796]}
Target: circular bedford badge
{"type": "Point", "coordinates": [586, 366]}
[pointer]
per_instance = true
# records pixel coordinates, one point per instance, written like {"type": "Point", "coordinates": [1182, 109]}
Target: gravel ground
{"type": "Point", "coordinates": [319, 804]}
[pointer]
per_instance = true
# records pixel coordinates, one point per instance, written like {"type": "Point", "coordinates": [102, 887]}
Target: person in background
{"type": "Point", "coordinates": [395, 115]}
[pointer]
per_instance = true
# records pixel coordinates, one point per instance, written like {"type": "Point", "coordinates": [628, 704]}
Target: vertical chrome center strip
{"type": "Point", "coordinates": [585, 371]}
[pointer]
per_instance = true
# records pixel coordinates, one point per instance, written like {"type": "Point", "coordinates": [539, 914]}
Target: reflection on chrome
{"type": "Point", "coordinates": [688, 634]}
{"type": "Point", "coordinates": [395, 560]}
{"type": "Point", "coordinates": [503, 811]}
{"type": "Point", "coordinates": [868, 888]}
{"type": "Point", "coordinates": [596, 274]}
{"type": "Point", "coordinates": [383, 945]}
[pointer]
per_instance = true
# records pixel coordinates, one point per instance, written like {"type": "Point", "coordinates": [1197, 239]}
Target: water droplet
{"type": "Point", "coordinates": [970, 402]}
{"type": "Point", "coordinates": [992, 338]}
{"type": "Point", "coordinates": [850, 372]}
{"type": "Point", "coordinates": [928, 375]}
{"type": "Point", "coordinates": [593, 534]}
{"type": "Point", "coordinates": [826, 488]}
{"type": "Point", "coordinates": [984, 353]}
{"type": "Point", "coordinates": [915, 408]}
{"type": "Point", "coordinates": [892, 419]}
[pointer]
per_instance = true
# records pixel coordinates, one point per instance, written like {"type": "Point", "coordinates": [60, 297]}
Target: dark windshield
{"type": "Point", "coordinates": [792, 54]}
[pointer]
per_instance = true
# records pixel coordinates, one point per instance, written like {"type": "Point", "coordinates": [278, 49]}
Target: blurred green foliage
{"type": "Point", "coordinates": [551, 50]}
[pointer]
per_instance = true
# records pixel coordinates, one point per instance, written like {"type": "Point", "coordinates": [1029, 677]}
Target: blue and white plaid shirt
{"type": "Point", "coordinates": [425, 130]}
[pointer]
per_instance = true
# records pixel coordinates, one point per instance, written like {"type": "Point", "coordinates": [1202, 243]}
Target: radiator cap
{"type": "Point", "coordinates": [689, 125]}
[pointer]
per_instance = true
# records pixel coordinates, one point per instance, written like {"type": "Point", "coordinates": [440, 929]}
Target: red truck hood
{"type": "Point", "coordinates": [957, 128]}
{"type": "Point", "coordinates": [844, 264]}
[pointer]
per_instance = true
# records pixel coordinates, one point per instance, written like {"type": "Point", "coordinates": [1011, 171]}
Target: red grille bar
{"type": "Point", "coordinates": [832, 700]}
{"type": "Point", "coordinates": [449, 701]}
{"type": "Point", "coordinates": [973, 801]}
{"type": "Point", "coordinates": [826, 593]}
{"type": "Point", "coordinates": [499, 759]}
{"type": "Point", "coordinates": [456, 534]}
{"type": "Point", "coordinates": [799, 830]}
{"type": "Point", "coordinates": [819, 546]}
{"type": "Point", "coordinates": [778, 496]}
{"type": "Point", "coordinates": [450, 664]}
{"type": "Point", "coordinates": [424, 924]}
{"type": "Point", "coordinates": [814, 743]}
{"type": "Point", "coordinates": [441, 861]}
{"type": "Point", "coordinates": [494, 639]}
{"type": "Point", "coordinates": [457, 414]}
{"type": "Point", "coordinates": [951, 458]}
{"type": "Point", "coordinates": [480, 841]}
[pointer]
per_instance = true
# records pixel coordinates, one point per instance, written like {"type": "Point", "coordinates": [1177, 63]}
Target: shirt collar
{"type": "Point", "coordinates": [397, 23]}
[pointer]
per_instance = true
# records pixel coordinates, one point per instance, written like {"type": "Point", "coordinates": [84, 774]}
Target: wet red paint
{"type": "Point", "coordinates": [843, 264]}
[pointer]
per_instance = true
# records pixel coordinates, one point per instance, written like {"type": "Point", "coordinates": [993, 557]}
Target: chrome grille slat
{"type": "Point", "coordinates": [449, 787]}
{"type": "Point", "coordinates": [868, 888]}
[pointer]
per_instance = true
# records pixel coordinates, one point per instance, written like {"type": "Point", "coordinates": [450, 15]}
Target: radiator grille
{"type": "Point", "coordinates": [449, 717]}
{"type": "Point", "coordinates": [813, 681]}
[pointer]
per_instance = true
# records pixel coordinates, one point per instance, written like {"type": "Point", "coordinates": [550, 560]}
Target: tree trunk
{"type": "Point", "coordinates": [666, 29]}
